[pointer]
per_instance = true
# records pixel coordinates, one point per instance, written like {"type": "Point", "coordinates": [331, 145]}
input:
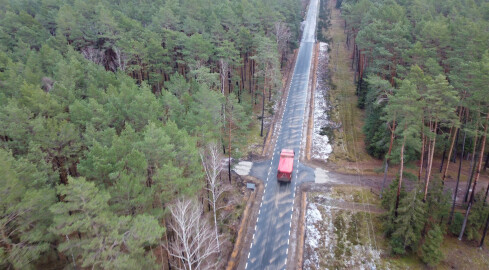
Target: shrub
{"type": "Point", "coordinates": [430, 251]}
{"type": "Point", "coordinates": [456, 225]}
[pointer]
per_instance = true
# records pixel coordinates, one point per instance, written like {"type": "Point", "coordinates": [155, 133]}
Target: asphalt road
{"type": "Point", "coordinates": [270, 245]}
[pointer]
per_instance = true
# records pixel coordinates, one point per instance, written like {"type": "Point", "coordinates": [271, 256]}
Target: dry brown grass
{"type": "Point", "coordinates": [349, 148]}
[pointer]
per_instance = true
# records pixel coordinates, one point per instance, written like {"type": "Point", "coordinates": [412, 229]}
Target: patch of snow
{"type": "Point", "coordinates": [312, 217]}
{"type": "Point", "coordinates": [321, 176]}
{"type": "Point", "coordinates": [328, 246]}
{"type": "Point", "coordinates": [321, 147]}
{"type": "Point", "coordinates": [243, 167]}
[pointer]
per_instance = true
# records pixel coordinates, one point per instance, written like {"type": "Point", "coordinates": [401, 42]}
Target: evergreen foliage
{"type": "Point", "coordinates": [430, 250]}
{"type": "Point", "coordinates": [421, 68]}
{"type": "Point", "coordinates": [409, 222]}
{"type": "Point", "coordinates": [108, 102]}
{"type": "Point", "coordinates": [456, 225]}
{"type": "Point", "coordinates": [477, 217]}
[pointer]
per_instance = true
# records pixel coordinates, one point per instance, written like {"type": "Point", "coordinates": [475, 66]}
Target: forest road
{"type": "Point", "coordinates": [270, 244]}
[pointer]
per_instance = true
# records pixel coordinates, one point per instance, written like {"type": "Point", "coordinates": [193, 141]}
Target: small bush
{"type": "Point", "coordinates": [397, 246]}
{"type": "Point", "coordinates": [430, 251]}
{"type": "Point", "coordinates": [456, 225]}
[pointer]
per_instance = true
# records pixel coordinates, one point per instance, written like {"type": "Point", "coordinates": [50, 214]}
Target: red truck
{"type": "Point", "coordinates": [285, 165]}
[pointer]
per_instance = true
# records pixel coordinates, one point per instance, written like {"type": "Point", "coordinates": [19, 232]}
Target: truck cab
{"type": "Point", "coordinates": [285, 165]}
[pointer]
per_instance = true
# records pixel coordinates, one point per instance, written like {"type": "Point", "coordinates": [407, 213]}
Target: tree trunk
{"type": "Point", "coordinates": [252, 81]}
{"type": "Point", "coordinates": [385, 177]}
{"type": "Point", "coordinates": [166, 238]}
{"type": "Point", "coordinates": [215, 224]}
{"type": "Point", "coordinates": [461, 111]}
{"type": "Point", "coordinates": [393, 129]}
{"type": "Point", "coordinates": [485, 195]}
{"type": "Point", "coordinates": [430, 163]}
{"type": "Point", "coordinates": [241, 85]}
{"type": "Point", "coordinates": [263, 107]}
{"type": "Point", "coordinates": [458, 180]}
{"type": "Point", "coordinates": [230, 90]}
{"type": "Point", "coordinates": [477, 175]}
{"type": "Point", "coordinates": [472, 168]}
{"type": "Point", "coordinates": [229, 146]}
{"type": "Point", "coordinates": [420, 171]}
{"type": "Point", "coordinates": [485, 231]}
{"type": "Point", "coordinates": [400, 175]}
{"type": "Point", "coordinates": [427, 159]}
{"type": "Point", "coordinates": [487, 161]}
{"type": "Point", "coordinates": [443, 158]}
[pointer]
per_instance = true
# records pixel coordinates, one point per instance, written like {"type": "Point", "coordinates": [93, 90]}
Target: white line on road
{"type": "Point", "coordinates": [246, 267]}
{"type": "Point", "coordinates": [250, 252]}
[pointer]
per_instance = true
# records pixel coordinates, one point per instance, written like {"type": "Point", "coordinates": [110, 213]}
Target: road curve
{"type": "Point", "coordinates": [270, 244]}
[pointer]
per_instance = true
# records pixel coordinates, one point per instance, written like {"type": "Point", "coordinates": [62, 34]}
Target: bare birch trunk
{"type": "Point", "coordinates": [400, 175]}
{"type": "Point", "coordinates": [430, 163]}
{"type": "Point", "coordinates": [422, 157]}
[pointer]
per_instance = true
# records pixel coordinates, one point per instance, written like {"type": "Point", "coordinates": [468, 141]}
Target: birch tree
{"type": "Point", "coordinates": [194, 245]}
{"type": "Point", "coordinates": [211, 161]}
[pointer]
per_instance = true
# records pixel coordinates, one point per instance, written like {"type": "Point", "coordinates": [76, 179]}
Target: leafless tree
{"type": "Point", "coordinates": [194, 244]}
{"type": "Point", "coordinates": [93, 54]}
{"type": "Point", "coordinates": [212, 164]}
{"type": "Point", "coordinates": [282, 35]}
{"type": "Point", "coordinates": [223, 71]}
{"type": "Point", "coordinates": [121, 59]}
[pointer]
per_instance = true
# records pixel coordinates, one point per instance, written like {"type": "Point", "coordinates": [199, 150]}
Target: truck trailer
{"type": "Point", "coordinates": [285, 165]}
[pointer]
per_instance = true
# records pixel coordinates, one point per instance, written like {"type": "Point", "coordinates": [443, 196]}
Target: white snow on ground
{"type": "Point", "coordinates": [321, 176]}
{"type": "Point", "coordinates": [321, 148]}
{"type": "Point", "coordinates": [243, 167]}
{"type": "Point", "coordinates": [313, 216]}
{"type": "Point", "coordinates": [331, 241]}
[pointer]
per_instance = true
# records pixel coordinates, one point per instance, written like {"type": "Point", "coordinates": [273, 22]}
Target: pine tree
{"type": "Point", "coordinates": [104, 240]}
{"type": "Point", "coordinates": [404, 109]}
{"type": "Point", "coordinates": [410, 221]}
{"type": "Point", "coordinates": [430, 250]}
{"type": "Point", "coordinates": [24, 215]}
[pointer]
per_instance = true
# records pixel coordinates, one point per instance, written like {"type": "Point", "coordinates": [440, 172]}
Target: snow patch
{"type": "Point", "coordinates": [321, 147]}
{"type": "Point", "coordinates": [243, 167]}
{"type": "Point", "coordinates": [313, 216]}
{"type": "Point", "coordinates": [331, 241]}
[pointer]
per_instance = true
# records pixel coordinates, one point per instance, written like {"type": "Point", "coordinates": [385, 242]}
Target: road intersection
{"type": "Point", "coordinates": [270, 243]}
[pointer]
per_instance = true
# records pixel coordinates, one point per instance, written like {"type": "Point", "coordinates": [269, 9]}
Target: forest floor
{"type": "Point", "coordinates": [343, 230]}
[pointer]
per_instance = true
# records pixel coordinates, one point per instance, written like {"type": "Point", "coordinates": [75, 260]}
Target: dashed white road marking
{"type": "Point", "coordinates": [293, 83]}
